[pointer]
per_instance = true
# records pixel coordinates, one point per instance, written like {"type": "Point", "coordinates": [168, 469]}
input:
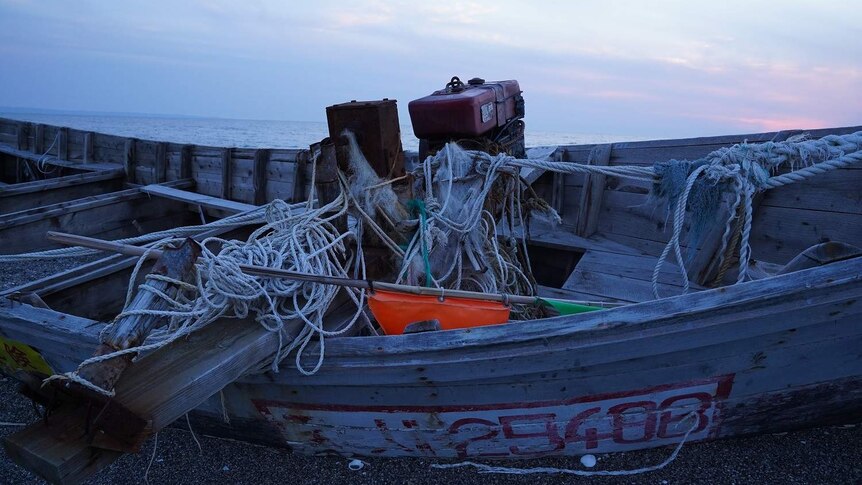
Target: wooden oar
{"type": "Point", "coordinates": [102, 245]}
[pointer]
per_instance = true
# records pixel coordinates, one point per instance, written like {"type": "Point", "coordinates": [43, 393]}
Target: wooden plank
{"type": "Point", "coordinates": [226, 172]}
{"type": "Point", "coordinates": [261, 159]}
{"type": "Point", "coordinates": [206, 201]}
{"type": "Point", "coordinates": [129, 160]}
{"type": "Point", "coordinates": [299, 176]}
{"type": "Point", "coordinates": [186, 162]}
{"type": "Point", "coordinates": [50, 449]}
{"type": "Point", "coordinates": [119, 213]}
{"type": "Point", "coordinates": [63, 143]}
{"type": "Point", "coordinates": [835, 191]}
{"type": "Point", "coordinates": [61, 338]}
{"type": "Point", "coordinates": [88, 147]}
{"type": "Point", "coordinates": [780, 234]}
{"type": "Point", "coordinates": [558, 183]}
{"type": "Point", "coordinates": [39, 139]}
{"type": "Point", "coordinates": [591, 195]}
{"type": "Point", "coordinates": [21, 132]}
{"type": "Point", "coordinates": [172, 381]}
{"type": "Point", "coordinates": [77, 165]}
{"type": "Point", "coordinates": [161, 166]}
{"type": "Point", "coordinates": [40, 193]}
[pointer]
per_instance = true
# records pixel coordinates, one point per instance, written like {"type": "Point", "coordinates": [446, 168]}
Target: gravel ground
{"type": "Point", "coordinates": [18, 273]}
{"type": "Point", "coordinates": [825, 455]}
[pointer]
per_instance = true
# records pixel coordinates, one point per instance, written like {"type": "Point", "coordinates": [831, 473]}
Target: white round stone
{"type": "Point", "coordinates": [588, 461]}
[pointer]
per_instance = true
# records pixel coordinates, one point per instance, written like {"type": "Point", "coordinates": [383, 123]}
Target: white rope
{"type": "Point", "coordinates": [189, 423]}
{"type": "Point", "coordinates": [459, 234]}
{"type": "Point", "coordinates": [152, 457]}
{"type": "Point", "coordinates": [297, 240]}
{"type": "Point", "coordinates": [483, 468]}
{"type": "Point", "coordinates": [746, 167]}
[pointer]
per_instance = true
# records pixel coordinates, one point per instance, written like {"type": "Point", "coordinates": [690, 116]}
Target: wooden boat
{"type": "Point", "coordinates": [767, 355]}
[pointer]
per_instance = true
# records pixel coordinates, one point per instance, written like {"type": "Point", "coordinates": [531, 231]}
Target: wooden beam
{"type": "Point", "coordinates": [52, 449]}
{"type": "Point", "coordinates": [79, 165]}
{"type": "Point", "coordinates": [130, 330]}
{"type": "Point", "coordinates": [63, 143]}
{"type": "Point", "coordinates": [21, 132]}
{"type": "Point", "coordinates": [226, 172]}
{"type": "Point", "coordinates": [129, 159]}
{"type": "Point", "coordinates": [261, 159]}
{"type": "Point", "coordinates": [705, 266]}
{"type": "Point", "coordinates": [299, 176]}
{"type": "Point", "coordinates": [161, 168]}
{"type": "Point", "coordinates": [205, 201]}
{"type": "Point", "coordinates": [118, 214]}
{"type": "Point", "coordinates": [591, 195]}
{"type": "Point", "coordinates": [40, 193]}
{"type": "Point", "coordinates": [39, 139]}
{"type": "Point", "coordinates": [186, 161]}
{"type": "Point", "coordinates": [88, 147]}
{"type": "Point", "coordinates": [558, 184]}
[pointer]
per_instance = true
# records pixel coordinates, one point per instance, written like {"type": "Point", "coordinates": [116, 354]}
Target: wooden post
{"type": "Point", "coordinates": [88, 147]}
{"type": "Point", "coordinates": [299, 175]}
{"type": "Point", "coordinates": [186, 162]}
{"type": "Point", "coordinates": [591, 195]}
{"type": "Point", "coordinates": [705, 266]}
{"type": "Point", "coordinates": [131, 330]}
{"type": "Point", "coordinates": [39, 139]}
{"type": "Point", "coordinates": [558, 184]}
{"type": "Point", "coordinates": [261, 158]}
{"type": "Point", "coordinates": [63, 143]}
{"type": "Point", "coordinates": [226, 172]}
{"type": "Point", "coordinates": [21, 132]}
{"type": "Point", "coordinates": [129, 160]}
{"type": "Point", "coordinates": [161, 168]}
{"type": "Point", "coordinates": [326, 183]}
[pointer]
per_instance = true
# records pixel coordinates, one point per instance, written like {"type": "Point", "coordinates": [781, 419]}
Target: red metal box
{"type": "Point", "coordinates": [466, 110]}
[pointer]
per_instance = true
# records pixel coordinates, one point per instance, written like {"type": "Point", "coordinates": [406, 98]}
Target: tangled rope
{"type": "Point", "coordinates": [465, 197]}
{"type": "Point", "coordinates": [742, 170]}
{"type": "Point", "coordinates": [297, 240]}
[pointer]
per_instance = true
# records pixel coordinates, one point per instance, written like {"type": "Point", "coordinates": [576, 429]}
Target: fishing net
{"type": "Point", "coordinates": [461, 201]}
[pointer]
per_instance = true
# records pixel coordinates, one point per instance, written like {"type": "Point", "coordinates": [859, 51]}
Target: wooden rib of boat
{"type": "Point", "coordinates": [768, 355]}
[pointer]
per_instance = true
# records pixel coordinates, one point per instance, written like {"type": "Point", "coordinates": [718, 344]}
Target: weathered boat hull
{"type": "Point", "coordinates": [762, 356]}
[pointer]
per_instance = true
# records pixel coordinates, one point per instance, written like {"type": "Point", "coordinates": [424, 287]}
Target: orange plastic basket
{"type": "Point", "coordinates": [394, 311]}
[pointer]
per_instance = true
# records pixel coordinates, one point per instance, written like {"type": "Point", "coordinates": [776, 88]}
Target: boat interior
{"type": "Point", "coordinates": [605, 249]}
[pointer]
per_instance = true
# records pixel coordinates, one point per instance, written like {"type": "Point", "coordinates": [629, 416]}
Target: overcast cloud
{"type": "Point", "coordinates": [668, 68]}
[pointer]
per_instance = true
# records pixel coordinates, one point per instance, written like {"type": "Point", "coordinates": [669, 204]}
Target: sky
{"type": "Point", "coordinates": [641, 68]}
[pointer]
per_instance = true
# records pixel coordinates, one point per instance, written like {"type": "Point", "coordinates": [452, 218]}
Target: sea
{"type": "Point", "coordinates": [250, 133]}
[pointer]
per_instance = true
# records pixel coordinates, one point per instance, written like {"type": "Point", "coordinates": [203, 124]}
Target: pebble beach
{"type": "Point", "coordinates": [824, 455]}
